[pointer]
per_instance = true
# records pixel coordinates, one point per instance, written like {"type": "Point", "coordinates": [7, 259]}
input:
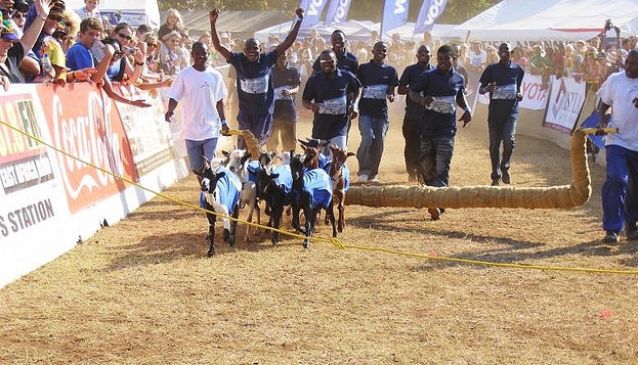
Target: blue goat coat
{"type": "Point", "coordinates": [317, 183]}
{"type": "Point", "coordinates": [227, 191]}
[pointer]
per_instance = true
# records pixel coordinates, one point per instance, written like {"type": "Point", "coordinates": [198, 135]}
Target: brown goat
{"type": "Point", "coordinates": [339, 157]}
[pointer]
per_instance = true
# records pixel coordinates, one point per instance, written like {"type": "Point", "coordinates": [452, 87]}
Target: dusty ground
{"type": "Point", "coordinates": [143, 292]}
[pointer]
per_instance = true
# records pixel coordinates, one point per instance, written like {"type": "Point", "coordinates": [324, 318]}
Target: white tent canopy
{"type": "Point", "coordinates": [553, 20]}
{"type": "Point", "coordinates": [134, 12]}
{"type": "Point", "coordinates": [354, 29]}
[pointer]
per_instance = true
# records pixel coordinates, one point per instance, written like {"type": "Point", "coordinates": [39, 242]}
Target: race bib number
{"type": "Point", "coordinates": [444, 104]}
{"type": "Point", "coordinates": [505, 92]}
{"type": "Point", "coordinates": [279, 93]}
{"type": "Point", "coordinates": [257, 85]}
{"type": "Point", "coordinates": [375, 92]}
{"type": "Point", "coordinates": [336, 106]}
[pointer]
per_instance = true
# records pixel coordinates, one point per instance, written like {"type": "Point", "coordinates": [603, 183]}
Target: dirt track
{"type": "Point", "coordinates": [143, 291]}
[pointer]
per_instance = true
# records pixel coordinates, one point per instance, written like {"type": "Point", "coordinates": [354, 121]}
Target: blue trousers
{"type": "Point", "coordinates": [620, 199]}
{"type": "Point", "coordinates": [501, 131]}
{"type": "Point", "coordinates": [373, 132]}
{"type": "Point", "coordinates": [436, 156]}
{"type": "Point", "coordinates": [259, 124]}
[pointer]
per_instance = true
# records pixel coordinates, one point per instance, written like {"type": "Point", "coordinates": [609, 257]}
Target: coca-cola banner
{"type": "Point", "coordinates": [84, 122]}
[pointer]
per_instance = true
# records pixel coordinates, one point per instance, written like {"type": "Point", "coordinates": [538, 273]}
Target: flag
{"type": "Point", "coordinates": [337, 11]}
{"type": "Point", "coordinates": [430, 11]}
{"type": "Point", "coordinates": [312, 12]}
{"type": "Point", "coordinates": [395, 14]}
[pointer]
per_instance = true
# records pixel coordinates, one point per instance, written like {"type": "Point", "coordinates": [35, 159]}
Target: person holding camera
{"type": "Point", "coordinates": [129, 69]}
{"type": "Point", "coordinates": [619, 197]}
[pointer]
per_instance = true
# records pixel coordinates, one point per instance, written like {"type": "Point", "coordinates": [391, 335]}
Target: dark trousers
{"type": "Point", "coordinates": [259, 124]}
{"type": "Point", "coordinates": [436, 157]}
{"type": "Point", "coordinates": [501, 132]}
{"type": "Point", "coordinates": [412, 150]}
{"type": "Point", "coordinates": [620, 200]}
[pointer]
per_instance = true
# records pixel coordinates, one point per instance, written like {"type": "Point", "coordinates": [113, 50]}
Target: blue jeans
{"type": "Point", "coordinates": [436, 156]}
{"type": "Point", "coordinates": [501, 130]}
{"type": "Point", "coordinates": [373, 131]}
{"type": "Point", "coordinates": [620, 200]}
{"type": "Point", "coordinates": [197, 150]}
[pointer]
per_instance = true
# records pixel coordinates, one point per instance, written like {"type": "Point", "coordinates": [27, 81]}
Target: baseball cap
{"type": "Point", "coordinates": [8, 35]}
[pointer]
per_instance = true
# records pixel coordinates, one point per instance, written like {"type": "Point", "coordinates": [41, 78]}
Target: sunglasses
{"type": "Point", "coordinates": [152, 44]}
{"type": "Point", "coordinates": [117, 54]}
{"type": "Point", "coordinates": [127, 37]}
{"type": "Point", "coordinates": [20, 15]}
{"type": "Point", "coordinates": [55, 17]}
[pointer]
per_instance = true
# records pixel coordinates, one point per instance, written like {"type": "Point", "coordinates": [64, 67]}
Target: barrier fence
{"type": "Point", "coordinates": [47, 194]}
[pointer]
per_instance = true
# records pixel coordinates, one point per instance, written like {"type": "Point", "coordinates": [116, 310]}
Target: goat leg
{"type": "Point", "coordinates": [211, 233]}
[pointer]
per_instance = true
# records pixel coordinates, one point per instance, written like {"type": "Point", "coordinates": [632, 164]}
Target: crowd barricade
{"type": "Point", "coordinates": [50, 202]}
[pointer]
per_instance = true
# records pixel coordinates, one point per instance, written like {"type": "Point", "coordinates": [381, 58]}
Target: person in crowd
{"type": "Point", "coordinates": [173, 23]}
{"type": "Point", "coordinates": [172, 58]}
{"type": "Point", "coordinates": [492, 57]}
{"type": "Point", "coordinates": [19, 18]}
{"type": "Point", "coordinates": [32, 66]}
{"type": "Point", "coordinates": [443, 89]}
{"type": "Point", "coordinates": [477, 58]}
{"type": "Point", "coordinates": [80, 58]}
{"type": "Point", "coordinates": [67, 34]}
{"type": "Point", "coordinates": [152, 56]}
{"type": "Point", "coordinates": [458, 67]}
{"type": "Point", "coordinates": [253, 72]}
{"type": "Point", "coordinates": [379, 81]}
{"type": "Point", "coordinates": [142, 31]}
{"type": "Point", "coordinates": [345, 60]}
{"type": "Point", "coordinates": [591, 70]}
{"type": "Point", "coordinates": [620, 199]}
{"type": "Point", "coordinates": [90, 10]}
{"type": "Point", "coordinates": [502, 81]}
{"type": "Point", "coordinates": [519, 58]}
{"type": "Point", "coordinates": [285, 81]}
{"type": "Point", "coordinates": [330, 94]}
{"type": "Point", "coordinates": [13, 49]}
{"type": "Point", "coordinates": [128, 69]}
{"type": "Point", "coordinates": [413, 112]}
{"type": "Point", "coordinates": [201, 90]}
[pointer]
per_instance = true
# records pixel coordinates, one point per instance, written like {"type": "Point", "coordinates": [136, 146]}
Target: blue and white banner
{"type": "Point", "coordinates": [430, 11]}
{"type": "Point", "coordinates": [312, 12]}
{"type": "Point", "coordinates": [337, 11]}
{"type": "Point", "coordinates": [395, 14]}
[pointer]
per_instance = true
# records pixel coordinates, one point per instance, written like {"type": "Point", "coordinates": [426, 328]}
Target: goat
{"type": "Point", "coordinates": [340, 177]}
{"type": "Point", "coordinates": [239, 163]}
{"type": "Point", "coordinates": [312, 185]}
{"type": "Point", "coordinates": [277, 189]}
{"type": "Point", "coordinates": [220, 193]}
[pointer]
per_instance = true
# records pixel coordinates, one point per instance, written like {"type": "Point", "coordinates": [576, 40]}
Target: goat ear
{"type": "Point", "coordinates": [225, 153]}
{"type": "Point", "coordinates": [198, 173]}
{"type": "Point", "coordinates": [350, 154]}
{"type": "Point", "coordinates": [303, 143]}
{"type": "Point", "coordinates": [220, 175]}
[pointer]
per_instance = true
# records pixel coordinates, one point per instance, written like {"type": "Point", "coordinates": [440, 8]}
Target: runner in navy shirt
{"type": "Point", "coordinates": [379, 81]}
{"type": "Point", "coordinates": [330, 94]}
{"type": "Point", "coordinates": [345, 60]}
{"type": "Point", "coordinates": [413, 112]}
{"type": "Point", "coordinates": [254, 85]}
{"type": "Point", "coordinates": [442, 90]}
{"type": "Point", "coordinates": [503, 81]}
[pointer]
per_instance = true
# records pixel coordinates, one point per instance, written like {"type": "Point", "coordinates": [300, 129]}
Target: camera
{"type": "Point", "coordinates": [128, 51]}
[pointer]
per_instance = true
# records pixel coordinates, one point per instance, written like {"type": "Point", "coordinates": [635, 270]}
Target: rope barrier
{"type": "Point", "coordinates": [333, 241]}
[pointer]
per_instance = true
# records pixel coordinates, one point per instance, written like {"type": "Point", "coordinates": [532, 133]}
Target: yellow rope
{"type": "Point", "coordinates": [333, 241]}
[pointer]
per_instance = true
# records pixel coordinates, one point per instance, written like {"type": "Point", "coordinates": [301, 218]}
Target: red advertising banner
{"type": "Point", "coordinates": [84, 122]}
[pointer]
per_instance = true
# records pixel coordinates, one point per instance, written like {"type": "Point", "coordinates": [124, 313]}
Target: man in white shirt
{"type": "Point", "coordinates": [620, 193]}
{"type": "Point", "coordinates": [89, 10]}
{"type": "Point", "coordinates": [201, 90]}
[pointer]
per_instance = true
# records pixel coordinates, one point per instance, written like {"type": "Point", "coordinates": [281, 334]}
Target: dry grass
{"type": "Point", "coordinates": [143, 292]}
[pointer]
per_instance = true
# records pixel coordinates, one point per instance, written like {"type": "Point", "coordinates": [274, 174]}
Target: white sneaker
{"type": "Point", "coordinates": [363, 178]}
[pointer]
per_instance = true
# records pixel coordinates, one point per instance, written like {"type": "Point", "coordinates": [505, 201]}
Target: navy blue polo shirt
{"type": "Point", "coordinates": [439, 119]}
{"type": "Point", "coordinates": [413, 111]}
{"type": "Point", "coordinates": [508, 79]}
{"type": "Point", "coordinates": [377, 81]}
{"type": "Point", "coordinates": [346, 62]}
{"type": "Point", "coordinates": [287, 79]}
{"type": "Point", "coordinates": [332, 94]}
{"type": "Point", "coordinates": [254, 84]}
